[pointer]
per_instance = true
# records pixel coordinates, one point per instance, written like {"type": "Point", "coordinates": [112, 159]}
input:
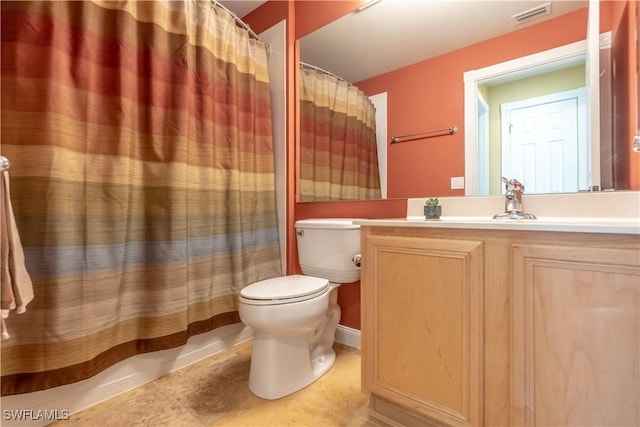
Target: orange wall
{"type": "Point", "coordinates": [261, 19]}
{"type": "Point", "coordinates": [625, 23]}
{"type": "Point", "coordinates": [634, 82]}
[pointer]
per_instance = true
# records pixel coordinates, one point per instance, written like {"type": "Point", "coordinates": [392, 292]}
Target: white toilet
{"type": "Point", "coordinates": [295, 317]}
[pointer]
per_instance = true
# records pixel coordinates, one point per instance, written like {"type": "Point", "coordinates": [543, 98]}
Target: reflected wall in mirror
{"type": "Point", "coordinates": [427, 93]}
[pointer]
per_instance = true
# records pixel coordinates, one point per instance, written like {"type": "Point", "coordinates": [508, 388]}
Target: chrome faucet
{"type": "Point", "coordinates": [513, 195]}
{"type": "Point", "coordinates": [513, 203]}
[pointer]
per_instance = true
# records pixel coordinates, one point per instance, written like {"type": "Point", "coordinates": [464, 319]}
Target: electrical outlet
{"type": "Point", "coordinates": [457, 182]}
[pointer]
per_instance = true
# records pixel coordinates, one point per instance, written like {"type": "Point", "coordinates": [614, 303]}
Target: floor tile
{"type": "Point", "coordinates": [303, 408]}
{"type": "Point", "coordinates": [211, 388]}
{"type": "Point", "coordinates": [147, 405]}
{"type": "Point", "coordinates": [214, 392]}
{"type": "Point", "coordinates": [342, 383]}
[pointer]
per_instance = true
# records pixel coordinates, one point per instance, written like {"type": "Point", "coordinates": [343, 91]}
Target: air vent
{"type": "Point", "coordinates": [535, 12]}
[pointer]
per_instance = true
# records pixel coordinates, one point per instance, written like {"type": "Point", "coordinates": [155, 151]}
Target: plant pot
{"type": "Point", "coordinates": [432, 212]}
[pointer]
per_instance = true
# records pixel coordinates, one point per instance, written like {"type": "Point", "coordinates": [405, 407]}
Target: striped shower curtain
{"type": "Point", "coordinates": [142, 178]}
{"type": "Point", "coordinates": [338, 152]}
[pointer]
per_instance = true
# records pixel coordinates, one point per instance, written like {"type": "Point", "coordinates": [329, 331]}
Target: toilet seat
{"type": "Point", "coordinates": [284, 290]}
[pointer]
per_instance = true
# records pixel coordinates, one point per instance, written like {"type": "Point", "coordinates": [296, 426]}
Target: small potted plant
{"type": "Point", "coordinates": [432, 209]}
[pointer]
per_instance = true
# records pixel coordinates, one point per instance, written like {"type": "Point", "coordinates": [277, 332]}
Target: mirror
{"type": "Point", "coordinates": [429, 94]}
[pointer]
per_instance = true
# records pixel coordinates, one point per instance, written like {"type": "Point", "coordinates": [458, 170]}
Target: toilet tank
{"type": "Point", "coordinates": [326, 248]}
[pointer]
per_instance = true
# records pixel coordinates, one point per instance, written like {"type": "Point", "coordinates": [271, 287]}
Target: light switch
{"type": "Point", "coordinates": [457, 182]}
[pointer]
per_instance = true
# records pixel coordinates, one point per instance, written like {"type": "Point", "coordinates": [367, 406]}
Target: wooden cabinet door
{"type": "Point", "coordinates": [422, 325]}
{"type": "Point", "coordinates": [575, 336]}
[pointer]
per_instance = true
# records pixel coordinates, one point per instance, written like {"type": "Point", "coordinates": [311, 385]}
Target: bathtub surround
{"type": "Point", "coordinates": [142, 179]}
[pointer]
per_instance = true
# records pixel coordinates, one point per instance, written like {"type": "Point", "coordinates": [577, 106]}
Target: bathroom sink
{"type": "Point", "coordinates": [597, 212]}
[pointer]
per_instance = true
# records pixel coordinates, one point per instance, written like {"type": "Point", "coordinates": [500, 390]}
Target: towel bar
{"type": "Point", "coordinates": [428, 134]}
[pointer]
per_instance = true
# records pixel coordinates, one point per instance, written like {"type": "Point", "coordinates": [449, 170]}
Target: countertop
{"type": "Point", "coordinates": [560, 224]}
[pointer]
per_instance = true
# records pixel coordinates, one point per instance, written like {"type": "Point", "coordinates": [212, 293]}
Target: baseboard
{"type": "Point", "coordinates": [348, 336]}
{"type": "Point", "coordinates": [390, 414]}
{"type": "Point", "coordinates": [23, 409]}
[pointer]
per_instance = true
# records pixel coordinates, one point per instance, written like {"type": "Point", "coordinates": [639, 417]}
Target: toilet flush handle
{"type": "Point", "coordinates": [357, 260]}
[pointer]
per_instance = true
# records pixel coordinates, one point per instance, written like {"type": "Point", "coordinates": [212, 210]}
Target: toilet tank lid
{"type": "Point", "coordinates": [328, 223]}
{"type": "Point", "coordinates": [286, 287]}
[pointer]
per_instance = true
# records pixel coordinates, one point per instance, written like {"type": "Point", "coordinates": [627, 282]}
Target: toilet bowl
{"type": "Point", "coordinates": [287, 350]}
{"type": "Point", "coordinates": [295, 317]}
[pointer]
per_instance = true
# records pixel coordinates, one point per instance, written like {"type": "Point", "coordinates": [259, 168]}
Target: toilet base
{"type": "Point", "coordinates": [281, 365]}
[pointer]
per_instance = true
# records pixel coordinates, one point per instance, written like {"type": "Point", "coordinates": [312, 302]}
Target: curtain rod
{"type": "Point", "coordinates": [428, 134]}
{"type": "Point", "coordinates": [315, 67]}
{"type": "Point", "coordinates": [240, 22]}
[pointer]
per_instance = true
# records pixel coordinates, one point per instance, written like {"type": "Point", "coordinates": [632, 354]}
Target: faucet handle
{"type": "Point", "coordinates": [517, 185]}
{"type": "Point", "coordinates": [513, 185]}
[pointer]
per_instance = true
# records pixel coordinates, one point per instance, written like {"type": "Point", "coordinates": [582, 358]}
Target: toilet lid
{"type": "Point", "coordinates": [285, 288]}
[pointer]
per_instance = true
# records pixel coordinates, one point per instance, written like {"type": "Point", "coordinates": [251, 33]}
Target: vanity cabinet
{"type": "Point", "coordinates": [501, 328]}
{"type": "Point", "coordinates": [575, 327]}
{"type": "Point", "coordinates": [424, 311]}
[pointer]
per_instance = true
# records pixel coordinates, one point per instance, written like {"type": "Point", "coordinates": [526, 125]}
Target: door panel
{"type": "Point", "coordinates": [575, 337]}
{"type": "Point", "coordinates": [541, 146]}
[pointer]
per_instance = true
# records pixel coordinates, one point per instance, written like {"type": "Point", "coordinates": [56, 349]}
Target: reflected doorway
{"type": "Point", "coordinates": [544, 142]}
{"type": "Point", "coordinates": [482, 80]}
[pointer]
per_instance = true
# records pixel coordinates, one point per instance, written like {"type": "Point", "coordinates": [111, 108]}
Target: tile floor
{"type": "Point", "coordinates": [214, 392]}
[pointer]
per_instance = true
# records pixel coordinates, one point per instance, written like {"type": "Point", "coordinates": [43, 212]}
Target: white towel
{"type": "Point", "coordinates": [17, 289]}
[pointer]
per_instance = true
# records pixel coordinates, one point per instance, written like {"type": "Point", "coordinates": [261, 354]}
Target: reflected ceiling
{"type": "Point", "coordinates": [410, 31]}
{"type": "Point", "coordinates": [242, 7]}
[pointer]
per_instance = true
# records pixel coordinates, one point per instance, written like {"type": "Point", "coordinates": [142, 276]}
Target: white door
{"type": "Point", "coordinates": [544, 142]}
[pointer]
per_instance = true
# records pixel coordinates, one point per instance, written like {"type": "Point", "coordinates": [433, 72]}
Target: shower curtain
{"type": "Point", "coordinates": [338, 152]}
{"type": "Point", "coordinates": [142, 178]}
